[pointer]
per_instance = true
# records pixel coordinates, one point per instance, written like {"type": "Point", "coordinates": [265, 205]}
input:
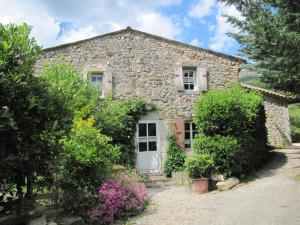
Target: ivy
{"type": "Point", "coordinates": [175, 157]}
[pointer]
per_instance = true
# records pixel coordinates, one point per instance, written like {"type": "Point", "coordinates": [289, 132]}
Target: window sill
{"type": "Point", "coordinates": [191, 92]}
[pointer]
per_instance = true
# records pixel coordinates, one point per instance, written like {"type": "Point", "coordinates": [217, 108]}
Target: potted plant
{"type": "Point", "coordinates": [199, 167]}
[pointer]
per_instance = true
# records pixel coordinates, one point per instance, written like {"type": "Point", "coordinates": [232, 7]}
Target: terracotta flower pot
{"type": "Point", "coordinates": [201, 185]}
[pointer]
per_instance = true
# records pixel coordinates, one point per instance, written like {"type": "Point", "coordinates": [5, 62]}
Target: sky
{"type": "Point", "coordinates": [197, 22]}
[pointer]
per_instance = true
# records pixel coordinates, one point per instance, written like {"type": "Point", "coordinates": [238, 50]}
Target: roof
{"type": "Point", "coordinates": [129, 29]}
{"type": "Point", "coordinates": [274, 94]}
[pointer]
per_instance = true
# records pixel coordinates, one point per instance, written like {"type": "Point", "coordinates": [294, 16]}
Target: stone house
{"type": "Point", "coordinates": [171, 75]}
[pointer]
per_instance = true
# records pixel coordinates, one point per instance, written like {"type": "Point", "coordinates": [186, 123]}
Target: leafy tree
{"type": "Point", "coordinates": [32, 119]}
{"type": "Point", "coordinates": [269, 35]}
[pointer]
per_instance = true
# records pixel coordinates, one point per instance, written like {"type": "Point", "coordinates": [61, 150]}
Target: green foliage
{"type": "Point", "coordinates": [199, 165]}
{"type": "Point", "coordinates": [225, 151]}
{"type": "Point", "coordinates": [18, 52]}
{"type": "Point", "coordinates": [80, 96]}
{"type": "Point", "coordinates": [118, 119]}
{"type": "Point", "coordinates": [236, 116]}
{"type": "Point", "coordinates": [294, 111]}
{"type": "Point", "coordinates": [269, 36]}
{"type": "Point", "coordinates": [88, 159]}
{"type": "Point", "coordinates": [175, 157]}
{"type": "Point", "coordinates": [32, 119]}
{"type": "Point", "coordinates": [232, 111]}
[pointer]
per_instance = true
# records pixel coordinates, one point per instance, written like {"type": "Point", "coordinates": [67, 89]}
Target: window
{"type": "Point", "coordinates": [97, 79]}
{"type": "Point", "coordinates": [147, 137]}
{"type": "Point", "coordinates": [189, 79]}
{"type": "Point", "coordinates": [189, 134]}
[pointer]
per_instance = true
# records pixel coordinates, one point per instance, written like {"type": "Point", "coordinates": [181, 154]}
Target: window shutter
{"type": "Point", "coordinates": [202, 79]}
{"type": "Point", "coordinates": [107, 83]}
{"type": "Point", "coordinates": [179, 131]}
{"type": "Point", "coordinates": [178, 77]}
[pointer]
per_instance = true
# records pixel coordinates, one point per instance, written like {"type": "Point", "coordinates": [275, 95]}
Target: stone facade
{"type": "Point", "coordinates": [145, 65]}
{"type": "Point", "coordinates": [278, 122]}
{"type": "Point", "coordinates": [137, 64]}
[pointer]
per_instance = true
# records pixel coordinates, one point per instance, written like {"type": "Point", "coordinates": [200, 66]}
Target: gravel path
{"type": "Point", "coordinates": [271, 199]}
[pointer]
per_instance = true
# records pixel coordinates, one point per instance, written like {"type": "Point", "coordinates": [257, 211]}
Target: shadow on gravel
{"type": "Point", "coordinates": [276, 160]}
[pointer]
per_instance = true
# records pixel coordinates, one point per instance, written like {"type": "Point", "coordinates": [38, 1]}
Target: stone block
{"type": "Point", "coordinates": [37, 221]}
{"type": "Point", "coordinates": [227, 184]}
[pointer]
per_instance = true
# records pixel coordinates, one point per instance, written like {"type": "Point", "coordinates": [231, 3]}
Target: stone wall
{"type": "Point", "coordinates": [144, 65]}
{"type": "Point", "coordinates": [278, 124]}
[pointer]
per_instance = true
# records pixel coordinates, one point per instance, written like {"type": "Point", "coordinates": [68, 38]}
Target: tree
{"type": "Point", "coordinates": [32, 120]}
{"type": "Point", "coordinates": [269, 35]}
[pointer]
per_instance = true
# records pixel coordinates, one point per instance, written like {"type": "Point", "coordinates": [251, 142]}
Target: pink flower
{"type": "Point", "coordinates": [118, 200]}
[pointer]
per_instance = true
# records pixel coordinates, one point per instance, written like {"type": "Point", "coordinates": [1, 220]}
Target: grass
{"type": "Point", "coordinates": [297, 177]}
{"type": "Point", "coordinates": [294, 111]}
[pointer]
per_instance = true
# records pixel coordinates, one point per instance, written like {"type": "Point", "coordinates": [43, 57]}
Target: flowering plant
{"type": "Point", "coordinates": [119, 199]}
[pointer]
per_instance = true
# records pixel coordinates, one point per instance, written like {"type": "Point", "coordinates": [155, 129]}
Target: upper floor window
{"type": "Point", "coordinates": [189, 134]}
{"type": "Point", "coordinates": [189, 78]}
{"type": "Point", "coordinates": [97, 79]}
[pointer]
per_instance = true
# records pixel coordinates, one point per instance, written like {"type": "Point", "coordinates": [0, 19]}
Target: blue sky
{"type": "Point", "coordinates": [196, 22]}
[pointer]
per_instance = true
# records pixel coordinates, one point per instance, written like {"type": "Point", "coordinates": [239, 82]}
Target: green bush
{"type": "Point", "coordinates": [237, 114]}
{"type": "Point", "coordinates": [79, 95]}
{"type": "Point", "coordinates": [199, 165]}
{"type": "Point", "coordinates": [294, 111]}
{"type": "Point", "coordinates": [88, 159]}
{"type": "Point", "coordinates": [225, 151]}
{"type": "Point", "coordinates": [175, 157]}
{"type": "Point", "coordinates": [231, 112]}
{"type": "Point", "coordinates": [118, 119]}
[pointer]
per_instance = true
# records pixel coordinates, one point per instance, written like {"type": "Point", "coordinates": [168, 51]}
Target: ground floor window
{"type": "Point", "coordinates": [189, 134]}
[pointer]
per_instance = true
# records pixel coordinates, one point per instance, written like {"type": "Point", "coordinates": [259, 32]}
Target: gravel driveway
{"type": "Point", "coordinates": [271, 199]}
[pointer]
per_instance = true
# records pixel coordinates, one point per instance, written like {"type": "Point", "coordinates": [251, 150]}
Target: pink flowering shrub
{"type": "Point", "coordinates": [118, 200]}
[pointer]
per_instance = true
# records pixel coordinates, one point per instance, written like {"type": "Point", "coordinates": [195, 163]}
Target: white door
{"type": "Point", "coordinates": [147, 143]}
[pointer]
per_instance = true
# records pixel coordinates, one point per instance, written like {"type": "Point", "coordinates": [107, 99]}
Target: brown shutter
{"type": "Point", "coordinates": [179, 131]}
{"type": "Point", "coordinates": [178, 77]}
{"type": "Point", "coordinates": [201, 79]}
{"type": "Point", "coordinates": [107, 83]}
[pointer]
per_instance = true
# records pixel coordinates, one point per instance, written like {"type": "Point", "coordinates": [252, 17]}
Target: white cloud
{"type": "Point", "coordinates": [157, 24]}
{"type": "Point", "coordinates": [201, 8]}
{"type": "Point", "coordinates": [75, 35]}
{"type": "Point", "coordinates": [45, 27]}
{"type": "Point", "coordinates": [88, 18]}
{"type": "Point", "coordinates": [221, 41]}
{"type": "Point", "coordinates": [196, 42]}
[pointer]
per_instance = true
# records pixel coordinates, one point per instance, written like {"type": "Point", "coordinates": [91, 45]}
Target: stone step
{"type": "Point", "coordinates": [70, 220]}
{"type": "Point", "coordinates": [158, 184]}
{"type": "Point", "coordinates": [54, 214]}
{"type": "Point", "coordinates": [295, 146]}
{"type": "Point", "coordinates": [157, 180]}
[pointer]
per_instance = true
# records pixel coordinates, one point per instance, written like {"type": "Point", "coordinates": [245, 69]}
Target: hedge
{"type": "Point", "coordinates": [233, 123]}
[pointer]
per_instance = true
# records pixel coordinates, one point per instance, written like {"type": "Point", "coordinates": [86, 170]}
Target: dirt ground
{"type": "Point", "coordinates": [273, 198]}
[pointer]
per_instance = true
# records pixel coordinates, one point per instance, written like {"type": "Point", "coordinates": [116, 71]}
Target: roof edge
{"type": "Point", "coordinates": [129, 29]}
{"type": "Point", "coordinates": [274, 94]}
